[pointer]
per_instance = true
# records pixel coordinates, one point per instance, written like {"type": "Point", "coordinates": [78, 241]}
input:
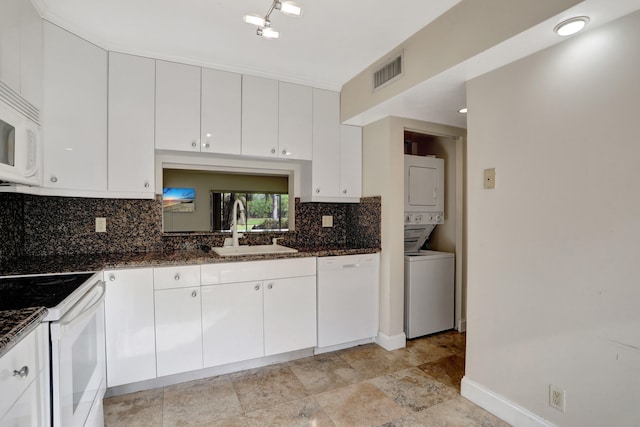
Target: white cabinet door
{"type": "Point", "coordinates": [289, 314]}
{"type": "Point", "coordinates": [131, 162]}
{"type": "Point", "coordinates": [221, 112]}
{"type": "Point", "coordinates": [27, 411]}
{"type": "Point", "coordinates": [295, 121]}
{"type": "Point", "coordinates": [10, 44]}
{"type": "Point", "coordinates": [177, 106]}
{"type": "Point", "coordinates": [350, 161]}
{"type": "Point", "coordinates": [74, 112]}
{"type": "Point", "coordinates": [129, 326]}
{"type": "Point", "coordinates": [326, 143]}
{"type": "Point", "coordinates": [232, 323]}
{"type": "Point", "coordinates": [30, 54]}
{"type": "Point", "coordinates": [178, 330]}
{"type": "Point", "coordinates": [259, 116]}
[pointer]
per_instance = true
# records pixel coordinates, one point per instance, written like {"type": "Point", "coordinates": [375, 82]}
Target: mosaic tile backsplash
{"type": "Point", "coordinates": [40, 226]}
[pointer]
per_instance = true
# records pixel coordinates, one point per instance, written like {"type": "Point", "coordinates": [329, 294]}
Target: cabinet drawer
{"type": "Point", "coordinates": [176, 277]}
{"type": "Point", "coordinates": [25, 353]}
{"type": "Point", "coordinates": [215, 274]}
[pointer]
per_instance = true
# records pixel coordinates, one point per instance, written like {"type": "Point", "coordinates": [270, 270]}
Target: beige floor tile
{"type": "Point", "coordinates": [361, 404]}
{"type": "Point", "coordinates": [303, 413]}
{"type": "Point", "coordinates": [451, 340]}
{"type": "Point", "coordinates": [448, 370]}
{"type": "Point", "coordinates": [458, 412]}
{"type": "Point", "coordinates": [413, 389]}
{"type": "Point", "coordinates": [324, 372]}
{"type": "Point", "coordinates": [142, 409]}
{"type": "Point", "coordinates": [418, 352]}
{"type": "Point", "coordinates": [200, 402]}
{"type": "Point", "coordinates": [264, 389]}
{"type": "Point", "coordinates": [373, 361]}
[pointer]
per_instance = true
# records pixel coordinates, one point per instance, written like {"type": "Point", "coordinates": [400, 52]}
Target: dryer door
{"type": "Point", "coordinates": [424, 184]}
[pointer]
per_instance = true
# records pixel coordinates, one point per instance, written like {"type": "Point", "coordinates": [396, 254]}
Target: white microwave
{"type": "Point", "coordinates": [19, 148]}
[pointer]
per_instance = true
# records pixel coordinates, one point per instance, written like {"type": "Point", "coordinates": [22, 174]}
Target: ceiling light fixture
{"type": "Point", "coordinates": [571, 26]}
{"type": "Point", "coordinates": [264, 24]}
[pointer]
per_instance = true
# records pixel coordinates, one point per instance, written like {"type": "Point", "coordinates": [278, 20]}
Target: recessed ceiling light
{"type": "Point", "coordinates": [463, 110]}
{"type": "Point", "coordinates": [571, 26]}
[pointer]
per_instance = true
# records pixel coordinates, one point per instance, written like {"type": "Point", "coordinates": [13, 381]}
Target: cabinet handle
{"type": "Point", "coordinates": [194, 294]}
{"type": "Point", "coordinates": [207, 145]}
{"type": "Point", "coordinates": [270, 286]}
{"type": "Point", "coordinates": [273, 151]}
{"type": "Point", "coordinates": [194, 144]}
{"type": "Point", "coordinates": [146, 184]}
{"type": "Point", "coordinates": [284, 152]}
{"type": "Point", "coordinates": [112, 278]}
{"type": "Point", "coordinates": [23, 372]}
{"type": "Point", "coordinates": [54, 179]}
{"type": "Point", "coordinates": [256, 287]}
{"type": "Point", "coordinates": [344, 191]}
{"type": "Point", "coordinates": [317, 190]}
{"type": "Point", "coordinates": [176, 277]}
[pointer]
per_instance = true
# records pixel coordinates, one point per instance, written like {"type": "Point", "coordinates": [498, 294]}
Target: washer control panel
{"type": "Point", "coordinates": [423, 218]}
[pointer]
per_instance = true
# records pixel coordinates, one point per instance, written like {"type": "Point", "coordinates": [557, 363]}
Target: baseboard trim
{"type": "Point", "coordinates": [328, 349]}
{"type": "Point", "coordinates": [462, 325]}
{"type": "Point", "coordinates": [391, 342]}
{"type": "Point", "coordinates": [501, 407]}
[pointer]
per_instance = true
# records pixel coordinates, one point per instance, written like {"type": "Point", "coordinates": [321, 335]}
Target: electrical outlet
{"type": "Point", "coordinates": [556, 397]}
{"type": "Point", "coordinates": [101, 225]}
{"type": "Point", "coordinates": [327, 220]}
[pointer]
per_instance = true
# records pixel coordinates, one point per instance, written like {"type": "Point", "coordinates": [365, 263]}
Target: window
{"type": "Point", "coordinates": [202, 200]}
{"type": "Point", "coordinates": [263, 211]}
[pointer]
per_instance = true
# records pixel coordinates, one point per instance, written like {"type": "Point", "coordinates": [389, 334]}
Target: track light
{"type": "Point", "coordinates": [264, 24]}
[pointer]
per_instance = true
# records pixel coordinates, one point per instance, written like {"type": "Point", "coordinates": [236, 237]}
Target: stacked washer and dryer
{"type": "Point", "coordinates": [429, 283]}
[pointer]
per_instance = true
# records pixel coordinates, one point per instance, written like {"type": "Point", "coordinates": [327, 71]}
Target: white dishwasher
{"type": "Point", "coordinates": [348, 288]}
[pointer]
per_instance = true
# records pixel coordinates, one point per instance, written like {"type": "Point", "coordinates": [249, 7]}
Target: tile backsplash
{"type": "Point", "coordinates": [40, 226]}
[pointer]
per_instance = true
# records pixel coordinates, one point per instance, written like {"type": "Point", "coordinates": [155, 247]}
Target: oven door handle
{"type": "Point", "coordinates": [87, 310]}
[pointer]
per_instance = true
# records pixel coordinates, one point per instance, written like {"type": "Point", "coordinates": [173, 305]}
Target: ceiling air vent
{"type": "Point", "coordinates": [388, 72]}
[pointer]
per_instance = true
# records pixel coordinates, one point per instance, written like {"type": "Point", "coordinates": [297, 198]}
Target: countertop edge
{"type": "Point", "coordinates": [20, 326]}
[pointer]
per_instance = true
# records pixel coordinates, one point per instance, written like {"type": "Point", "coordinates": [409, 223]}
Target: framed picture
{"type": "Point", "coordinates": [176, 200]}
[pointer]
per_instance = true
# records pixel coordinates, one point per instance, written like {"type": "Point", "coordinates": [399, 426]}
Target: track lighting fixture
{"type": "Point", "coordinates": [264, 24]}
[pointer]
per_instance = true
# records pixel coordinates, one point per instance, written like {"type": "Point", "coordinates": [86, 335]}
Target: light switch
{"type": "Point", "coordinates": [490, 178]}
{"type": "Point", "coordinates": [101, 225]}
{"type": "Point", "coordinates": [327, 220]}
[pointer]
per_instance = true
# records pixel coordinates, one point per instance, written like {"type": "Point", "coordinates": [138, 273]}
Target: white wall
{"type": "Point", "coordinates": [554, 250]}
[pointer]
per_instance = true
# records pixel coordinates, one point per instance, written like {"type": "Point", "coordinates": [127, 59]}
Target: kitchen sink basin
{"type": "Point", "coordinates": [253, 250]}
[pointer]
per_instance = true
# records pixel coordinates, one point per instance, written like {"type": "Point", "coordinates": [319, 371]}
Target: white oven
{"type": "Point", "coordinates": [78, 362]}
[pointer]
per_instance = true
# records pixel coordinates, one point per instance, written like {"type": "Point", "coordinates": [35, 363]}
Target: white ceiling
{"type": "Point", "coordinates": [328, 45]}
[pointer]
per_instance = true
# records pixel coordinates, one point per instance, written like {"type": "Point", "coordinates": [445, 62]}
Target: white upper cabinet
{"type": "Point", "coordinates": [21, 49]}
{"type": "Point", "coordinates": [221, 112]}
{"type": "Point", "coordinates": [259, 116]}
{"type": "Point", "coordinates": [350, 161]}
{"type": "Point", "coordinates": [334, 174]}
{"type": "Point", "coordinates": [74, 121]}
{"type": "Point", "coordinates": [295, 121]}
{"type": "Point", "coordinates": [131, 161]}
{"type": "Point", "coordinates": [10, 44]}
{"type": "Point", "coordinates": [177, 106]}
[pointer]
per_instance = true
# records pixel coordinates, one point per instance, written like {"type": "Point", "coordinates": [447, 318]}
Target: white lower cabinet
{"type": "Point", "coordinates": [289, 314]}
{"type": "Point", "coordinates": [129, 326]}
{"type": "Point", "coordinates": [24, 389]}
{"type": "Point", "coordinates": [178, 330]}
{"type": "Point", "coordinates": [232, 323]}
{"type": "Point", "coordinates": [257, 308]}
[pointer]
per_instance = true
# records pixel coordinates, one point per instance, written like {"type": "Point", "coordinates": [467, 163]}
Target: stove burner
{"type": "Point", "coordinates": [38, 291]}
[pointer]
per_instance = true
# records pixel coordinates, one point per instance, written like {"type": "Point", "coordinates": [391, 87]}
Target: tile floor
{"type": "Point", "coordinates": [362, 386]}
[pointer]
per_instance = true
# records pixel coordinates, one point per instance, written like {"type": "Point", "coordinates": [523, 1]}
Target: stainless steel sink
{"type": "Point", "coordinates": [253, 250]}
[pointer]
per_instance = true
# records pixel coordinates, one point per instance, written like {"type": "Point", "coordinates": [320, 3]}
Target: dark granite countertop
{"type": "Point", "coordinates": [16, 324]}
{"type": "Point", "coordinates": [96, 262]}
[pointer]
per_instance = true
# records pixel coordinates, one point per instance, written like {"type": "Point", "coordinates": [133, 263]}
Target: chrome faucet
{"type": "Point", "coordinates": [234, 223]}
